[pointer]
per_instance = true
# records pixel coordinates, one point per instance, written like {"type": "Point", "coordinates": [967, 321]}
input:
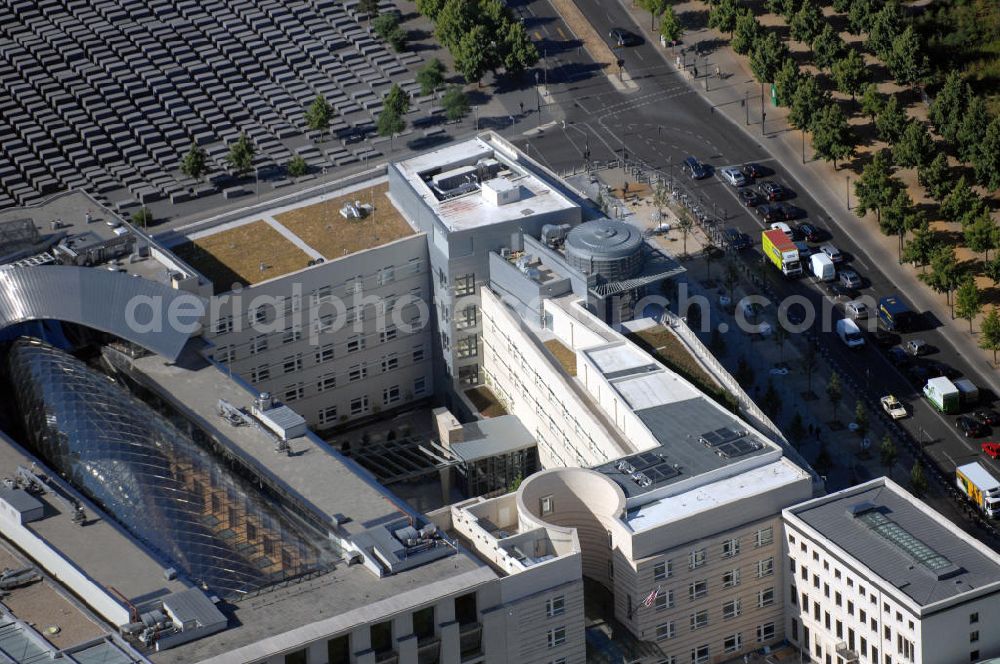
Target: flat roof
{"type": "Point", "coordinates": [840, 519]}
{"type": "Point", "coordinates": [471, 210]}
{"type": "Point", "coordinates": [492, 436]}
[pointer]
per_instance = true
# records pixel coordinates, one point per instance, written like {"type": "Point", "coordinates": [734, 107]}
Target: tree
{"type": "Point", "coordinates": [906, 59]}
{"type": "Point", "coordinates": [888, 454]}
{"type": "Point", "coordinates": [944, 271]}
{"type": "Point", "coordinates": [194, 162]}
{"type": "Point", "coordinates": [824, 462]}
{"type": "Point", "coordinates": [655, 8]}
{"type": "Point", "coordinates": [318, 114]}
{"type": "Point", "coordinates": [241, 154]}
{"type": "Point", "coordinates": [685, 225]}
{"type": "Point", "coordinates": [746, 32]}
{"type": "Point", "coordinates": [430, 76]}
{"type": "Point", "coordinates": [797, 429]}
{"type": "Point", "coordinates": [898, 216]}
{"type": "Point", "coordinates": [962, 203]}
{"type": "Point", "coordinates": [968, 303]}
{"type": "Point", "coordinates": [841, 6]}
{"type": "Point", "coordinates": [142, 217]}
{"type": "Point", "coordinates": [827, 47]}
{"type": "Point", "coordinates": [935, 177]}
{"type": "Point", "coordinates": [884, 26]}
{"type": "Point", "coordinates": [980, 235]}
{"type": "Point", "coordinates": [860, 16]}
{"type": "Point", "coordinates": [876, 186]}
{"type": "Point", "coordinates": [989, 333]}
{"type": "Point", "coordinates": [806, 103]}
{"type": "Point", "coordinates": [786, 81]}
{"type": "Point", "coordinates": [987, 161]}
{"type": "Point", "coordinates": [785, 8]}
{"type": "Point", "coordinates": [810, 362]}
{"type": "Point", "coordinates": [394, 106]}
{"type": "Point", "coordinates": [971, 129]}
{"type": "Point", "coordinates": [914, 147]}
{"type": "Point", "coordinates": [519, 52]}
{"type": "Point", "coordinates": [455, 103]}
{"type": "Point", "coordinates": [671, 28]}
{"type": "Point", "coordinates": [454, 19]}
{"type": "Point", "coordinates": [722, 16]}
{"type": "Point", "coordinates": [949, 105]}
{"type": "Point", "coordinates": [833, 138]}
{"type": "Point", "coordinates": [731, 277]}
{"type": "Point", "coordinates": [766, 56]}
{"type": "Point", "coordinates": [872, 101]}
{"type": "Point", "coordinates": [471, 57]}
{"type": "Point", "coordinates": [861, 418]}
{"type": "Point", "coordinates": [921, 246]}
{"type": "Point", "coordinates": [297, 166]}
{"type": "Point", "coordinates": [387, 27]}
{"type": "Point", "coordinates": [397, 100]}
{"type": "Point", "coordinates": [770, 403]}
{"type": "Point", "coordinates": [850, 73]}
{"type": "Point", "coordinates": [430, 8]}
{"type": "Point", "coordinates": [834, 392]}
{"type": "Point", "coordinates": [367, 7]}
{"type": "Point", "coordinates": [891, 120]}
{"type": "Point", "coordinates": [807, 22]}
{"type": "Point", "coordinates": [918, 481]}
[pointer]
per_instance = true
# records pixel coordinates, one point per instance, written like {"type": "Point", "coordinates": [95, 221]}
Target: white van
{"type": "Point", "coordinates": [822, 267]}
{"type": "Point", "coordinates": [850, 333]}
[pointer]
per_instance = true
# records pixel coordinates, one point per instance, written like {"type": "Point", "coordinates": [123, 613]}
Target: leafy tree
{"type": "Point", "coordinates": [240, 157]}
{"type": "Point", "coordinates": [746, 32]}
{"type": "Point", "coordinates": [519, 52]}
{"type": "Point", "coordinates": [655, 8]}
{"type": "Point", "coordinates": [850, 73]}
{"type": "Point", "coordinates": [921, 246]}
{"type": "Point", "coordinates": [766, 57]}
{"type": "Point", "coordinates": [861, 417]}
{"type": "Point", "coordinates": [731, 277]}
{"type": "Point", "coordinates": [827, 47]}
{"type": "Point", "coordinates": [722, 16]}
{"type": "Point", "coordinates": [807, 22]}
{"type": "Point", "coordinates": [898, 216]}
{"type": "Point", "coordinates": [884, 26]}
{"type": "Point", "coordinates": [987, 161]}
{"type": "Point", "coordinates": [906, 59]}
{"type": "Point", "coordinates": [944, 270]}
{"type": "Point", "coordinates": [834, 392]}
{"type": "Point", "coordinates": [685, 225]}
{"type": "Point", "coordinates": [918, 481]}
{"type": "Point", "coordinates": [935, 177]}
{"type": "Point", "coordinates": [297, 166]}
{"type": "Point", "coordinates": [431, 76]}
{"type": "Point", "coordinates": [872, 101]}
{"type": "Point", "coordinates": [786, 81]}
{"type": "Point", "coordinates": [318, 114]}
{"type": "Point", "coordinates": [891, 121]}
{"type": "Point", "coordinates": [968, 303]}
{"type": "Point", "coordinates": [395, 105]}
{"type": "Point", "coordinates": [671, 27]}
{"type": "Point", "coordinates": [914, 147]}
{"type": "Point", "coordinates": [806, 103]}
{"type": "Point", "coordinates": [454, 19]}
{"type": "Point", "coordinates": [785, 8]}
{"type": "Point", "coordinates": [991, 269]}
{"type": "Point", "coordinates": [824, 462]}
{"type": "Point", "coordinates": [989, 331]}
{"type": "Point", "coordinates": [962, 204]}
{"type": "Point", "coordinates": [841, 6]}
{"type": "Point", "coordinates": [876, 187]}
{"type": "Point", "coordinates": [833, 138]}
{"type": "Point", "coordinates": [860, 15]}
{"type": "Point", "coordinates": [397, 100]}
{"type": "Point", "coordinates": [471, 56]}
{"type": "Point", "coordinates": [368, 7]}
{"type": "Point", "coordinates": [387, 27]}
{"type": "Point", "coordinates": [194, 162]}
{"type": "Point", "coordinates": [949, 106]}
{"type": "Point", "coordinates": [430, 8]}
{"type": "Point", "coordinates": [455, 103]}
{"type": "Point", "coordinates": [888, 454]}
{"type": "Point", "coordinates": [980, 235]}
{"type": "Point", "coordinates": [142, 217]}
{"type": "Point", "coordinates": [971, 129]}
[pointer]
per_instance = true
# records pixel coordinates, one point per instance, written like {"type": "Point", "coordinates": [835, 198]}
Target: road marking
{"type": "Point", "coordinates": [562, 34]}
{"type": "Point", "coordinates": [639, 55]}
{"type": "Point", "coordinates": [538, 35]}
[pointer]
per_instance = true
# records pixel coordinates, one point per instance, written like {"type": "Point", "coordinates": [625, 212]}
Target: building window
{"type": "Point", "coordinates": [765, 632]}
{"type": "Point", "coordinates": [297, 657]}
{"type": "Point", "coordinates": [467, 317]}
{"type": "Point", "coordinates": [223, 326]}
{"type": "Point", "coordinates": [359, 405]}
{"type": "Point", "coordinates": [731, 578]}
{"type": "Point", "coordinates": [469, 375]}
{"type": "Point", "coordinates": [699, 619]}
{"type": "Point", "coordinates": [294, 392]}
{"type": "Point", "coordinates": [416, 265]}
{"type": "Point", "coordinates": [974, 636]}
{"type": "Point", "coordinates": [390, 363]}
{"type": "Point", "coordinates": [546, 505]}
{"type": "Point", "coordinates": [765, 536]}
{"type": "Point", "coordinates": [700, 655]}
{"type": "Point", "coordinates": [467, 346]}
{"type": "Point", "coordinates": [665, 631]}
{"type": "Point", "coordinates": [731, 609]}
{"type": "Point", "coordinates": [292, 363]}
{"type": "Point", "coordinates": [730, 548]}
{"type": "Point", "coordinates": [557, 637]}
{"type": "Point", "coordinates": [326, 382]}
{"type": "Point", "coordinates": [733, 643]}
{"type": "Point", "coordinates": [555, 606]}
{"type": "Point", "coordinates": [355, 343]}
{"type": "Point", "coordinates": [661, 570]}
{"type": "Point", "coordinates": [324, 354]}
{"type": "Point", "coordinates": [697, 589]}
{"type": "Point", "coordinates": [225, 355]}
{"type": "Point", "coordinates": [357, 372]}
{"type": "Point", "coordinates": [418, 354]}
{"type": "Point", "coordinates": [328, 415]}
{"type": "Point", "coordinates": [664, 600]}
{"type": "Point", "coordinates": [257, 374]}
{"type": "Point", "coordinates": [465, 285]}
{"type": "Point", "coordinates": [419, 385]}
{"type": "Point", "coordinates": [258, 344]}
{"type": "Point", "coordinates": [388, 334]}
{"type": "Point", "coordinates": [353, 285]}
{"type": "Point", "coordinates": [292, 335]}
{"type": "Point", "coordinates": [765, 567]}
{"type": "Point", "coordinates": [974, 656]}
{"type": "Point", "coordinates": [974, 618]}
{"type": "Point", "coordinates": [765, 597]}
{"type": "Point", "coordinates": [391, 395]}
{"type": "Point", "coordinates": [386, 275]}
{"type": "Point", "coordinates": [696, 559]}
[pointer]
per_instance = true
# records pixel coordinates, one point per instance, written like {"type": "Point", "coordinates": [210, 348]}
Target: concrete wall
{"type": "Point", "coordinates": [520, 292]}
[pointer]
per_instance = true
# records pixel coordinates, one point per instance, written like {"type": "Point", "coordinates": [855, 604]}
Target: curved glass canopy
{"type": "Point", "coordinates": [158, 483]}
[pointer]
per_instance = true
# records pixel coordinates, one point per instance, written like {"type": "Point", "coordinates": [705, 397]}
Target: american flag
{"type": "Point", "coordinates": [651, 597]}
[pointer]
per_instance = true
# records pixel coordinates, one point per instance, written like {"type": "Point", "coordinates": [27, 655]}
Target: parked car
{"type": "Point", "coordinates": [892, 406]}
{"type": "Point", "coordinates": [749, 197]}
{"type": "Point", "coordinates": [850, 279]}
{"type": "Point", "coordinates": [735, 239]}
{"type": "Point", "coordinates": [856, 309]}
{"type": "Point", "coordinates": [752, 170]}
{"type": "Point", "coordinates": [885, 339]}
{"type": "Point", "coordinates": [897, 356]}
{"type": "Point", "coordinates": [836, 255]}
{"type": "Point", "coordinates": [991, 449]}
{"type": "Point", "coordinates": [772, 191]}
{"type": "Point", "coordinates": [734, 176]}
{"type": "Point", "coordinates": [694, 168]}
{"type": "Point", "coordinates": [805, 251]}
{"type": "Point", "coordinates": [917, 347]}
{"type": "Point", "coordinates": [810, 232]}
{"type": "Point", "coordinates": [940, 368]}
{"type": "Point", "coordinates": [776, 212]}
{"type": "Point", "coordinates": [780, 225]}
{"type": "Point", "coordinates": [970, 427]}
{"type": "Point", "coordinates": [987, 417]}
{"type": "Point", "coordinates": [623, 37]}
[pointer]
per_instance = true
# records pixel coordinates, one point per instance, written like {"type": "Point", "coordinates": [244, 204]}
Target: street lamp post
{"type": "Point", "coordinates": [746, 104]}
{"type": "Point", "coordinates": [803, 145]}
{"type": "Point", "coordinates": [762, 115]}
{"type": "Point", "coordinates": [475, 112]}
{"type": "Point", "coordinates": [848, 192]}
{"type": "Point", "coordinates": [538, 101]}
{"type": "Point", "coordinates": [511, 126]}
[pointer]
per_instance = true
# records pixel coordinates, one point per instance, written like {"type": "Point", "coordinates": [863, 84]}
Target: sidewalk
{"type": "Point", "coordinates": [827, 185]}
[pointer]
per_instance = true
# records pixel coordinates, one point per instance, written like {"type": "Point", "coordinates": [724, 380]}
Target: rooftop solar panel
{"type": "Point", "coordinates": [720, 436]}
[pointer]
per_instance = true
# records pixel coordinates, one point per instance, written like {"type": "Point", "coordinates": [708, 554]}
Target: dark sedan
{"type": "Point", "coordinates": [810, 233]}
{"type": "Point", "coordinates": [772, 191]}
{"type": "Point", "coordinates": [735, 239]}
{"type": "Point", "coordinates": [622, 37]}
{"type": "Point", "coordinates": [750, 198]}
{"type": "Point", "coordinates": [987, 417]}
{"type": "Point", "coordinates": [772, 212]}
{"type": "Point", "coordinates": [753, 170]}
{"type": "Point", "coordinates": [970, 427]}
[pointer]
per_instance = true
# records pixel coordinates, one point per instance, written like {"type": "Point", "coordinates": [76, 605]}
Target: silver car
{"type": "Point", "coordinates": [733, 176]}
{"type": "Point", "coordinates": [835, 254]}
{"type": "Point", "coordinates": [856, 309]}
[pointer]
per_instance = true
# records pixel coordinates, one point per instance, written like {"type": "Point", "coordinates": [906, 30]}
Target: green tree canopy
{"type": "Point", "coordinates": [430, 76]}
{"type": "Point", "coordinates": [981, 235]}
{"type": "Point", "coordinates": [722, 16]}
{"type": "Point", "coordinates": [430, 8]}
{"type": "Point", "coordinates": [827, 47]}
{"type": "Point", "coordinates": [989, 332]}
{"type": "Point", "coordinates": [834, 392]}
{"type": "Point", "coordinates": [194, 162]}
{"type": "Point", "coordinates": [767, 55]}
{"type": "Point", "coordinates": [921, 246]}
{"type": "Point", "coordinates": [914, 147]}
{"type": "Point", "coordinates": [898, 216]}
{"type": "Point", "coordinates": [987, 161]}
{"type": "Point", "coordinates": [918, 481]}
{"type": "Point", "coordinates": [318, 114]}
{"type": "Point", "coordinates": [876, 187]}
{"type": "Point", "coordinates": [887, 454]}
{"type": "Point", "coordinates": [971, 129]}
{"type": "Point", "coordinates": [872, 101]}
{"type": "Point", "coordinates": [935, 177]}
{"type": "Point", "coordinates": [786, 81]}
{"type": "Point", "coordinates": [860, 15]}
{"type": "Point", "coordinates": [671, 28]}
{"type": "Point", "coordinates": [861, 417]}
{"type": "Point", "coordinates": [841, 6]}
{"type": "Point", "coordinates": [785, 8]}
{"type": "Point", "coordinates": [807, 22]}
{"type": "Point", "coordinates": [962, 204]}
{"type": "Point", "coordinates": [850, 73]}
{"type": "Point", "coordinates": [654, 7]}
{"type": "Point", "coordinates": [471, 54]}
{"type": "Point", "coordinates": [395, 105]}
{"type": "Point", "coordinates": [806, 103]}
{"type": "Point", "coordinates": [906, 59]}
{"type": "Point", "coordinates": [455, 103]}
{"type": "Point", "coordinates": [519, 52]}
{"type": "Point", "coordinates": [368, 7]}
{"type": "Point", "coordinates": [884, 26]}
{"type": "Point", "coordinates": [746, 33]}
{"type": "Point", "coordinates": [241, 154]}
{"type": "Point", "coordinates": [891, 120]}
{"type": "Point", "coordinates": [968, 302]}
{"type": "Point", "coordinates": [949, 106]}
{"type": "Point", "coordinates": [944, 270]}
{"type": "Point", "coordinates": [297, 166]}
{"type": "Point", "coordinates": [991, 269]}
{"type": "Point", "coordinates": [833, 138]}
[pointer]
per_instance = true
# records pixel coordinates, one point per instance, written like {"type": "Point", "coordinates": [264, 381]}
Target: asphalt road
{"type": "Point", "coordinates": [665, 121]}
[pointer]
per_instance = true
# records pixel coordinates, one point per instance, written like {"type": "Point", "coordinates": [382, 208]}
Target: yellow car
{"type": "Point", "coordinates": [893, 407]}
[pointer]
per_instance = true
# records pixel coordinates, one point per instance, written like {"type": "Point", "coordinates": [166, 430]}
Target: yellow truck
{"type": "Point", "coordinates": [782, 252]}
{"type": "Point", "coordinates": [979, 487]}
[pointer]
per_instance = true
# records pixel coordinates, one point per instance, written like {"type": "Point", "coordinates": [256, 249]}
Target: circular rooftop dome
{"type": "Point", "coordinates": [611, 249]}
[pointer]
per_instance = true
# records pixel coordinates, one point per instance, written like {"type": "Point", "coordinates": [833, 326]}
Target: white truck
{"type": "Point", "coordinates": [980, 487]}
{"type": "Point", "coordinates": [850, 333]}
{"type": "Point", "coordinates": [943, 394]}
{"type": "Point", "coordinates": [822, 267]}
{"type": "Point", "coordinates": [967, 391]}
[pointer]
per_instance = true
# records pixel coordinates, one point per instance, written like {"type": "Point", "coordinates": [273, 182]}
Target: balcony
{"type": "Point", "coordinates": [470, 637]}
{"type": "Point", "coordinates": [387, 657]}
{"type": "Point", "coordinates": [845, 654]}
{"type": "Point", "coordinates": [429, 651]}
